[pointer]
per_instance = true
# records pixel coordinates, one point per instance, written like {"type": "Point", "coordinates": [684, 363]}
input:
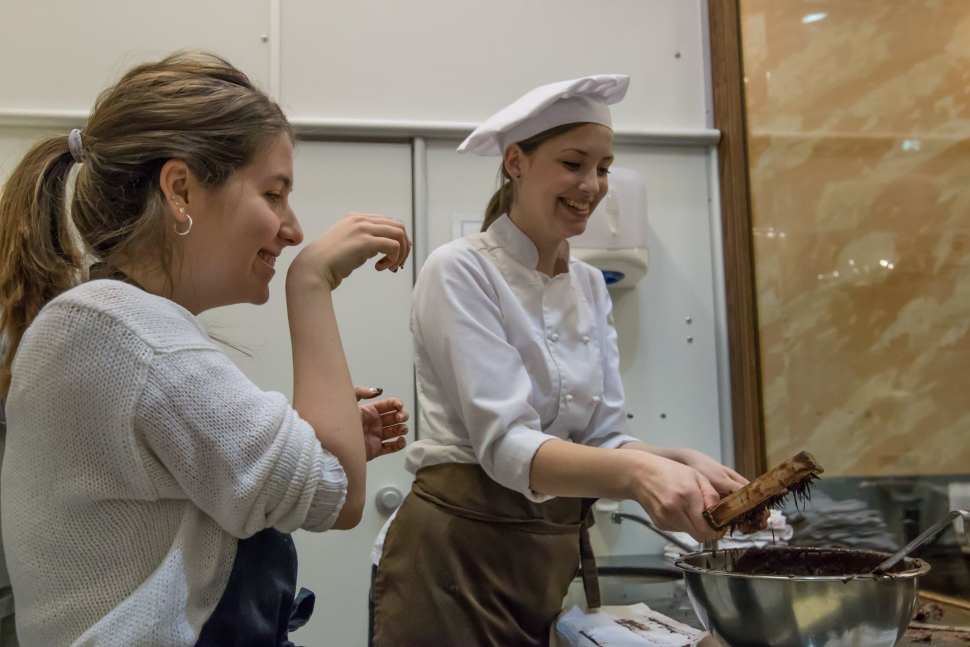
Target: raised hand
{"type": "Point", "coordinates": [383, 423]}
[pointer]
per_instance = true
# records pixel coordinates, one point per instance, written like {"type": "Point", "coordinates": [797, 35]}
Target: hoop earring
{"type": "Point", "coordinates": [187, 229]}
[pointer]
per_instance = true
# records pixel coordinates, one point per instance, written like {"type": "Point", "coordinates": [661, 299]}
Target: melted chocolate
{"type": "Point", "coordinates": [799, 562]}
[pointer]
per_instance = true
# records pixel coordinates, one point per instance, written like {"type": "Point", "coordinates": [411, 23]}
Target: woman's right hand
{"type": "Point", "coordinates": [675, 496]}
{"type": "Point", "coordinates": [350, 242]}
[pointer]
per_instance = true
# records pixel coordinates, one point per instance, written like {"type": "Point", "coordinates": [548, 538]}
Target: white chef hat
{"type": "Point", "coordinates": [567, 102]}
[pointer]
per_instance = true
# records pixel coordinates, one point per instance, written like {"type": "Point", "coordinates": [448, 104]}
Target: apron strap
{"type": "Point", "coordinates": [591, 582]}
{"type": "Point", "coordinates": [302, 609]}
{"type": "Point", "coordinates": [534, 526]}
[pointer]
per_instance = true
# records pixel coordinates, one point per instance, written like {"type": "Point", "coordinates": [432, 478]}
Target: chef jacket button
{"type": "Point", "coordinates": [586, 340]}
{"type": "Point", "coordinates": [569, 398]}
{"type": "Point", "coordinates": [554, 337]}
{"type": "Point", "coordinates": [596, 399]}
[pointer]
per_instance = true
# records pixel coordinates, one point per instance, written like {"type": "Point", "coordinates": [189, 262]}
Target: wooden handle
{"type": "Point", "coordinates": [747, 505]}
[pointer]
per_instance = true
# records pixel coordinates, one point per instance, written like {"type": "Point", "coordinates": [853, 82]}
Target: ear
{"type": "Point", "coordinates": [178, 187]}
{"type": "Point", "coordinates": [515, 161]}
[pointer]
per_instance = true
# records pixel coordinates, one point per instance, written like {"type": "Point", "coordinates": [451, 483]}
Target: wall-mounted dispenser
{"type": "Point", "coordinates": [615, 240]}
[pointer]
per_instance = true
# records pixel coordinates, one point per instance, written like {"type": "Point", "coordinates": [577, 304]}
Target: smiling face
{"type": "Point", "coordinates": [238, 232]}
{"type": "Point", "coordinates": [561, 183]}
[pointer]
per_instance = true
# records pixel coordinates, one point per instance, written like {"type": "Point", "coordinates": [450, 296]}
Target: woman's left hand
{"type": "Point", "coordinates": [383, 423]}
{"type": "Point", "coordinates": [724, 479]}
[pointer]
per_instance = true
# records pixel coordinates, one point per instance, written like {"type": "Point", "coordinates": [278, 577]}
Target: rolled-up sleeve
{"type": "Point", "coordinates": [460, 330]}
{"type": "Point", "coordinates": [242, 455]}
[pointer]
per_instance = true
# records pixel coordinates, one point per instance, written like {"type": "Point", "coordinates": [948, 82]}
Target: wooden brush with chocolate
{"type": "Point", "coordinates": [745, 509]}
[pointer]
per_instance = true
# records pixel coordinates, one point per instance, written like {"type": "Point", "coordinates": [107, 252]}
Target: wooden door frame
{"type": "Point", "coordinates": [727, 76]}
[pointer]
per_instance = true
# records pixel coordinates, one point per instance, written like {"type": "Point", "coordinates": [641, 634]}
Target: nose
{"type": "Point", "coordinates": [290, 230]}
{"type": "Point", "coordinates": [591, 182]}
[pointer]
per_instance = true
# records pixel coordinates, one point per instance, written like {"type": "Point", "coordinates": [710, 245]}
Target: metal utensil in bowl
{"type": "Point", "coordinates": [848, 610]}
{"type": "Point", "coordinates": [929, 534]}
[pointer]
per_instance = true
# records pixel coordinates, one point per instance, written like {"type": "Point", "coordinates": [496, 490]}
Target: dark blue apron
{"type": "Point", "coordinates": [258, 608]}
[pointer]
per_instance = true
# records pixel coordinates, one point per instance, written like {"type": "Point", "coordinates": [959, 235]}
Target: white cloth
{"type": "Point", "coordinates": [584, 100]}
{"type": "Point", "coordinates": [632, 626]}
{"type": "Point", "coordinates": [137, 453]}
{"type": "Point", "coordinates": [778, 533]}
{"type": "Point", "coordinates": [507, 358]}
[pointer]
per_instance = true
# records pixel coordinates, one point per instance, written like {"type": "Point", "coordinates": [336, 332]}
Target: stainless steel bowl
{"type": "Point", "coordinates": [800, 611]}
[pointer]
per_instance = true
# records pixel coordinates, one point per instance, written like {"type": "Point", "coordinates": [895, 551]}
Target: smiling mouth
{"type": "Point", "coordinates": [577, 206]}
{"type": "Point", "coordinates": [267, 258]}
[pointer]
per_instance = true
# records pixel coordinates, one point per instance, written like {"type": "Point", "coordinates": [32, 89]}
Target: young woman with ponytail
{"type": "Point", "coordinates": [148, 486]}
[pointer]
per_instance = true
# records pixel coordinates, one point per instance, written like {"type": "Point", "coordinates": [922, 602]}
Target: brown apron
{"type": "Point", "coordinates": [468, 562]}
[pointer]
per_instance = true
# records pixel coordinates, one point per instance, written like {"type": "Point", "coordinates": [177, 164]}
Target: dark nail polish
{"type": "Point", "coordinates": [377, 391]}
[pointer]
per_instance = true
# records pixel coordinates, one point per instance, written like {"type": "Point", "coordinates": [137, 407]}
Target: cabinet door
{"type": "Point", "coordinates": [373, 308]}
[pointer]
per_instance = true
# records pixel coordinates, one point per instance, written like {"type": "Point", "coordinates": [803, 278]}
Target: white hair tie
{"type": "Point", "coordinates": [77, 148]}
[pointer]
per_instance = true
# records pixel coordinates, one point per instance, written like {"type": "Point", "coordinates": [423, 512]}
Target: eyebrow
{"type": "Point", "coordinates": [608, 158]}
{"type": "Point", "coordinates": [285, 179]}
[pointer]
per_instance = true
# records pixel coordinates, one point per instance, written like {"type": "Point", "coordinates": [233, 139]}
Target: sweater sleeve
{"type": "Point", "coordinates": [240, 454]}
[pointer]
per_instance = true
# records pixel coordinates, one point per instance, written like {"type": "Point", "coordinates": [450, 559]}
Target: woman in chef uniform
{"type": "Point", "coordinates": [523, 424]}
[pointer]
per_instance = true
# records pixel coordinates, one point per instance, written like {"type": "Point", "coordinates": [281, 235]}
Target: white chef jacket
{"type": "Point", "coordinates": [507, 358]}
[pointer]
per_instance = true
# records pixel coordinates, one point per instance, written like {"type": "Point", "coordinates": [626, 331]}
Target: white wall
{"type": "Point", "coordinates": [58, 55]}
{"type": "Point", "coordinates": [460, 60]}
{"type": "Point", "coordinates": [426, 61]}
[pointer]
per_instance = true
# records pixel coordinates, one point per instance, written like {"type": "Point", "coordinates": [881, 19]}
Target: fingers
{"type": "Point", "coordinates": [392, 447]}
{"type": "Point", "coordinates": [386, 228]}
{"type": "Point", "coordinates": [725, 486]}
{"type": "Point", "coordinates": [390, 407]}
{"type": "Point", "coordinates": [390, 248]}
{"type": "Point", "coordinates": [700, 499]}
{"type": "Point", "coordinates": [394, 431]}
{"type": "Point", "coordinates": [366, 392]}
{"type": "Point", "coordinates": [393, 416]}
{"type": "Point", "coordinates": [684, 510]}
{"type": "Point", "coordinates": [381, 230]}
{"type": "Point", "coordinates": [737, 478]}
{"type": "Point", "coordinates": [709, 495]}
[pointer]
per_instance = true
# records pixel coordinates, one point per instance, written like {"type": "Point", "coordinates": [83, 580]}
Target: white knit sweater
{"type": "Point", "coordinates": [137, 453]}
